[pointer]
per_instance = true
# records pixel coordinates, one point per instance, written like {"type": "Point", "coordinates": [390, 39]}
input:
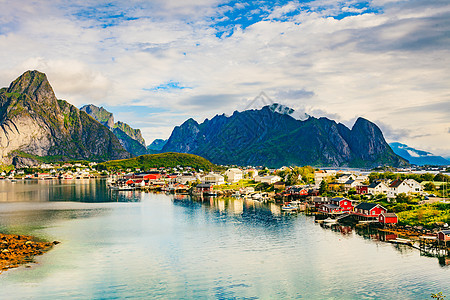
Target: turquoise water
{"type": "Point", "coordinates": [153, 246]}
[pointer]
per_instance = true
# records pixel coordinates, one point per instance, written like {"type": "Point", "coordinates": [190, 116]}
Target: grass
{"type": "Point", "coordinates": [243, 183]}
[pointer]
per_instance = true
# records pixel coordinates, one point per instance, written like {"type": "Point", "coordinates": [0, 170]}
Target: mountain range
{"type": "Point", "coordinates": [418, 157]}
{"type": "Point", "coordinates": [269, 137]}
{"type": "Point", "coordinates": [34, 123]}
{"type": "Point", "coordinates": [130, 138]}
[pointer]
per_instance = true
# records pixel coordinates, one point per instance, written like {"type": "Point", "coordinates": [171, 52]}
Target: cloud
{"type": "Point", "coordinates": [213, 101]}
{"type": "Point", "coordinates": [393, 134]}
{"type": "Point", "coordinates": [293, 94]}
{"type": "Point", "coordinates": [384, 60]}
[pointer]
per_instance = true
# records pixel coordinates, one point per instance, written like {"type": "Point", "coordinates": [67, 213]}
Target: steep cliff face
{"type": "Point", "coordinates": [135, 134]}
{"type": "Point", "coordinates": [100, 114]}
{"type": "Point", "coordinates": [33, 121]}
{"type": "Point", "coordinates": [131, 139]}
{"type": "Point", "coordinates": [266, 137]}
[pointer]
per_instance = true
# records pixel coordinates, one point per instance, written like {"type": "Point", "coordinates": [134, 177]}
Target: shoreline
{"type": "Point", "coordinates": [17, 250]}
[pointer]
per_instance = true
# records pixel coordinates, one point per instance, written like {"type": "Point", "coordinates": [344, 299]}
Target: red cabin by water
{"type": "Point", "coordinates": [388, 218]}
{"type": "Point", "coordinates": [369, 210]}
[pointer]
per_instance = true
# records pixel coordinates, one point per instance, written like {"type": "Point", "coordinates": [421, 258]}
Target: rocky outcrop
{"type": "Point", "coordinates": [34, 122]}
{"type": "Point", "coordinates": [266, 137]}
{"type": "Point", "coordinates": [131, 139]}
{"type": "Point", "coordinates": [100, 114]}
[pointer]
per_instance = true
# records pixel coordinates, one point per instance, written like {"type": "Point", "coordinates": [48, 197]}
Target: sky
{"type": "Point", "coordinates": [156, 63]}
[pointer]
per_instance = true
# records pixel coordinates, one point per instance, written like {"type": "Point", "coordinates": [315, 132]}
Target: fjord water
{"type": "Point", "coordinates": [142, 245]}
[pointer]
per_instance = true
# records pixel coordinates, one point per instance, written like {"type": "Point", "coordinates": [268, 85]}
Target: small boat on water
{"type": "Point", "coordinates": [122, 188]}
{"type": "Point", "coordinates": [288, 207]}
{"type": "Point", "coordinates": [210, 193]}
{"type": "Point", "coordinates": [329, 221]}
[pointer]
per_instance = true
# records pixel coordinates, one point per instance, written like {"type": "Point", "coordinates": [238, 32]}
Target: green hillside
{"type": "Point", "coordinates": [168, 160]}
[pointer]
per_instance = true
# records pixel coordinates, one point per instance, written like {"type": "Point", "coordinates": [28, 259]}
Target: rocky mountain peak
{"type": "Point", "coordinates": [35, 85]}
{"type": "Point", "coordinates": [100, 114]}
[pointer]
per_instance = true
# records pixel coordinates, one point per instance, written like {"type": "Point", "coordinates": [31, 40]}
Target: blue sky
{"type": "Point", "coordinates": [156, 63]}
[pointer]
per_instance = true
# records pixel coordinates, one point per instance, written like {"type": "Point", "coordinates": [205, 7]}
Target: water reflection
{"type": "Point", "coordinates": [79, 190]}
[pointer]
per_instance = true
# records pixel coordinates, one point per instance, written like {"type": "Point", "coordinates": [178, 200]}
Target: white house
{"type": "Point", "coordinates": [408, 186]}
{"type": "Point", "coordinates": [377, 187]}
{"type": "Point", "coordinates": [415, 186]}
{"type": "Point", "coordinates": [321, 174]}
{"type": "Point", "coordinates": [212, 178]}
{"type": "Point", "coordinates": [187, 177]}
{"type": "Point", "coordinates": [269, 179]}
{"type": "Point", "coordinates": [234, 174]}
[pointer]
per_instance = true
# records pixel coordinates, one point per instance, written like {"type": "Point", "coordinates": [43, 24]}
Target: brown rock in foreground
{"type": "Point", "coordinates": [16, 250]}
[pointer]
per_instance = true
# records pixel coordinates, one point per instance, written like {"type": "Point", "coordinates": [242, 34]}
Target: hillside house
{"type": "Point", "coordinates": [408, 186]}
{"type": "Point", "coordinates": [362, 189]}
{"type": "Point", "coordinates": [377, 187]}
{"type": "Point", "coordinates": [268, 179]}
{"type": "Point", "coordinates": [349, 184]}
{"type": "Point", "coordinates": [212, 178]}
{"type": "Point", "coordinates": [234, 174]}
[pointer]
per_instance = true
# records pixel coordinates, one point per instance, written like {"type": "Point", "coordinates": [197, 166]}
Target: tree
{"type": "Point", "coordinates": [429, 186]}
{"type": "Point", "coordinates": [439, 177]}
{"type": "Point", "coordinates": [323, 187]}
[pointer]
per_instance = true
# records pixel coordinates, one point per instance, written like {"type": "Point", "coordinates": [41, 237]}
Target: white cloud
{"type": "Point", "coordinates": [370, 65]}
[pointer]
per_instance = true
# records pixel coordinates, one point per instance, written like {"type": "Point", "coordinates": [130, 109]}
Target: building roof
{"type": "Point", "coordinates": [374, 184]}
{"type": "Point", "coordinates": [330, 206]}
{"type": "Point", "coordinates": [338, 198]}
{"type": "Point", "coordinates": [395, 183]}
{"type": "Point", "coordinates": [350, 181]}
{"type": "Point", "coordinates": [446, 232]}
{"type": "Point", "coordinates": [367, 206]}
{"type": "Point", "coordinates": [389, 215]}
{"type": "Point", "coordinates": [204, 185]}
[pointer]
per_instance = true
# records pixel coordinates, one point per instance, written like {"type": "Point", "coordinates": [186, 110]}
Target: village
{"type": "Point", "coordinates": [332, 196]}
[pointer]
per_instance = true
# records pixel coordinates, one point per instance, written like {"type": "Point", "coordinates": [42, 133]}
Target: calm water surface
{"type": "Point", "coordinates": [139, 245]}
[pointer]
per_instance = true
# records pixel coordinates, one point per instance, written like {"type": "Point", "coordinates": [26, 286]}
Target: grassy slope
{"type": "Point", "coordinates": [168, 160]}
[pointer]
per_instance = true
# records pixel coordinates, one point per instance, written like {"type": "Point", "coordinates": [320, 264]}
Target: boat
{"type": "Point", "coordinates": [122, 188]}
{"type": "Point", "coordinates": [329, 221]}
{"type": "Point", "coordinates": [256, 196]}
{"type": "Point", "coordinates": [210, 193]}
{"type": "Point", "coordinates": [288, 207]}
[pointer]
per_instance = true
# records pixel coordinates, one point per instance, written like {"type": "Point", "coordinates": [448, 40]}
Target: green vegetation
{"type": "Point", "coordinates": [297, 175]}
{"type": "Point", "coordinates": [6, 168]}
{"type": "Point", "coordinates": [426, 215]}
{"type": "Point", "coordinates": [236, 185]}
{"type": "Point", "coordinates": [167, 160]}
{"type": "Point", "coordinates": [417, 177]}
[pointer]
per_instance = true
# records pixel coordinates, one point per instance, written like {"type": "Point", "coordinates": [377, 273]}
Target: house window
{"type": "Point", "coordinates": [373, 212]}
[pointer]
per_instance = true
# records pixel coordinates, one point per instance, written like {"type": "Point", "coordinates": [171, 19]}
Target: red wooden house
{"type": "Point", "coordinates": [444, 236]}
{"type": "Point", "coordinates": [369, 210]}
{"type": "Point", "coordinates": [344, 204]}
{"type": "Point", "coordinates": [362, 189]}
{"type": "Point", "coordinates": [337, 205]}
{"type": "Point", "coordinates": [388, 218]}
{"type": "Point", "coordinates": [329, 208]}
